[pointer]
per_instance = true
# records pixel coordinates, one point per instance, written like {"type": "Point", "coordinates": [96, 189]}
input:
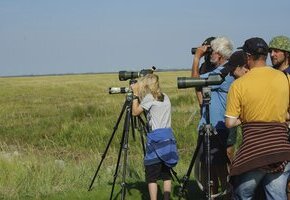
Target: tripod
{"type": "Point", "coordinates": [123, 144]}
{"type": "Point", "coordinates": [204, 137]}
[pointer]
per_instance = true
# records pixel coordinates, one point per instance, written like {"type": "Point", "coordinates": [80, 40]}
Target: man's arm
{"type": "Point", "coordinates": [200, 51]}
{"type": "Point", "coordinates": [195, 67]}
{"type": "Point", "coordinates": [136, 107]}
{"type": "Point", "coordinates": [232, 121]}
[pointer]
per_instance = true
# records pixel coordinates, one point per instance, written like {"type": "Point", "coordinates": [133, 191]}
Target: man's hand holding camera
{"type": "Point", "coordinates": [199, 53]}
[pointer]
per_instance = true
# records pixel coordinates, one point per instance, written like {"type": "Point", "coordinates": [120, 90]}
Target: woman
{"type": "Point", "coordinates": [161, 151]}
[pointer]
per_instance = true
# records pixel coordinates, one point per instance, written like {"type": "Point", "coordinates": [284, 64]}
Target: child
{"type": "Point", "coordinates": [161, 151]}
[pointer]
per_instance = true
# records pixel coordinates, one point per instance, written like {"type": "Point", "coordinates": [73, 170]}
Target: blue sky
{"type": "Point", "coordinates": [82, 36]}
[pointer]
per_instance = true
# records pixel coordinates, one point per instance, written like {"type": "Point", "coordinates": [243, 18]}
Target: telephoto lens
{"type": "Point", "coordinates": [118, 90]}
{"type": "Point", "coordinates": [125, 75]}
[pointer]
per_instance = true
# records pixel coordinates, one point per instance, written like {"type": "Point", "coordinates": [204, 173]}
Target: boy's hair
{"type": "Point", "coordinates": [150, 84]}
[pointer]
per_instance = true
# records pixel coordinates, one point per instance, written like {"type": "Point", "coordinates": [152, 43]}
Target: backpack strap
{"type": "Point", "coordinates": [286, 74]}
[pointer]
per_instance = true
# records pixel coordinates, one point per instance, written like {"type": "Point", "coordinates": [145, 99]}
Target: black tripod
{"type": "Point", "coordinates": [123, 144]}
{"type": "Point", "coordinates": [204, 137]}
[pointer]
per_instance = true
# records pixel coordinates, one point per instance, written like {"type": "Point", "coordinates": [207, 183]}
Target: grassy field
{"type": "Point", "coordinates": [54, 130]}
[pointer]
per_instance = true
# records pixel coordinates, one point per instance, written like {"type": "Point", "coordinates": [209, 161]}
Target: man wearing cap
{"type": "Point", "coordinates": [279, 52]}
{"type": "Point", "coordinates": [259, 102]}
{"type": "Point", "coordinates": [222, 49]}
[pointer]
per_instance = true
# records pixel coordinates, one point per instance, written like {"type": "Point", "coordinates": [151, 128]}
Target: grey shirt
{"type": "Point", "coordinates": [158, 113]}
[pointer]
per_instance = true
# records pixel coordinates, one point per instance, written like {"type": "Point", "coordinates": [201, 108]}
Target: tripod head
{"type": "Point", "coordinates": [206, 94]}
{"type": "Point", "coordinates": [123, 90]}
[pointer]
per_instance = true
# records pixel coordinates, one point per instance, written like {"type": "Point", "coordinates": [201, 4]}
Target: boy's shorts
{"type": "Point", "coordinates": [158, 171]}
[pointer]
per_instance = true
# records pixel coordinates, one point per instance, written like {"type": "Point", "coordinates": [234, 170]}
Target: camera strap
{"type": "Point", "coordinates": [286, 74]}
{"type": "Point", "coordinates": [148, 118]}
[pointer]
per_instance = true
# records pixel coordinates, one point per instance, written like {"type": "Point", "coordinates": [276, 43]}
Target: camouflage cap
{"type": "Point", "coordinates": [280, 42]}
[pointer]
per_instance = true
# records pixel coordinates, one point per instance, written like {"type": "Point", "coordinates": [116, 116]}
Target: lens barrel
{"type": "Point", "coordinates": [125, 75]}
{"type": "Point", "coordinates": [187, 82]}
{"type": "Point", "coordinates": [118, 90]}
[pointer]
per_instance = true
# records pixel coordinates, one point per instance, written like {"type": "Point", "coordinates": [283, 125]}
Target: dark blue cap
{"type": "Point", "coordinates": [255, 46]}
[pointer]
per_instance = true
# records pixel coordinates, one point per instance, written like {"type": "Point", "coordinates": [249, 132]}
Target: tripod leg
{"type": "Point", "coordinates": [123, 145]}
{"type": "Point", "coordinates": [186, 177]}
{"type": "Point", "coordinates": [144, 130]}
{"type": "Point", "coordinates": [174, 175]}
{"type": "Point", "coordinates": [133, 125]}
{"type": "Point", "coordinates": [222, 176]}
{"type": "Point", "coordinates": [208, 165]}
{"type": "Point", "coordinates": [108, 145]}
{"type": "Point", "coordinates": [125, 149]}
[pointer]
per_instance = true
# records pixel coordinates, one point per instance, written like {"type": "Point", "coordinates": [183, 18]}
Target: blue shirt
{"type": "Point", "coordinates": [217, 105]}
{"type": "Point", "coordinates": [287, 70]}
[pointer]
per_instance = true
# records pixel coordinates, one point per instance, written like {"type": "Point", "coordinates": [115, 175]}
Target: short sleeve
{"type": "Point", "coordinates": [233, 105]}
{"type": "Point", "coordinates": [147, 102]}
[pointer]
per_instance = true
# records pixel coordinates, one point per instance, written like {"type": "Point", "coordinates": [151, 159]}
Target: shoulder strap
{"type": "Point", "coordinates": [286, 74]}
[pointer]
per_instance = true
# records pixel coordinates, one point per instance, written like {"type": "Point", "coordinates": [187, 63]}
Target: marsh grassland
{"type": "Point", "coordinates": [54, 130]}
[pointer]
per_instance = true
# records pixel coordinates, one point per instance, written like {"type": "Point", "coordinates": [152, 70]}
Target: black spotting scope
{"type": "Point", "coordinates": [125, 75]}
{"type": "Point", "coordinates": [187, 82]}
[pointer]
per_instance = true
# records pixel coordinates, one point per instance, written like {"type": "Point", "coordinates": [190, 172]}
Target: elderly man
{"type": "Point", "coordinates": [222, 49]}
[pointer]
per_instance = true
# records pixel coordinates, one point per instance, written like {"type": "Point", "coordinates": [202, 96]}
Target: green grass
{"type": "Point", "coordinates": [54, 130]}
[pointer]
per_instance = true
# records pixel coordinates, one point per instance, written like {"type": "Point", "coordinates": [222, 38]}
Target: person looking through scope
{"type": "Point", "coordinates": [222, 48]}
{"type": "Point", "coordinates": [161, 151]}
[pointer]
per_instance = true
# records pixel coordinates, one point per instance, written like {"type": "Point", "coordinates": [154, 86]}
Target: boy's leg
{"type": "Point", "coordinates": [152, 191]}
{"type": "Point", "coordinates": [167, 189]}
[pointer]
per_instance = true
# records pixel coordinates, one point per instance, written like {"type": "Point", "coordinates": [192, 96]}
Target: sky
{"type": "Point", "coordinates": [39, 37]}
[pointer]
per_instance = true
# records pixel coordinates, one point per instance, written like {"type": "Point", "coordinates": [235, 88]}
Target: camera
{"type": "Point", "coordinates": [119, 90]}
{"type": "Point", "coordinates": [208, 50]}
{"type": "Point", "coordinates": [187, 82]}
{"type": "Point", "coordinates": [206, 42]}
{"type": "Point", "coordinates": [125, 75]}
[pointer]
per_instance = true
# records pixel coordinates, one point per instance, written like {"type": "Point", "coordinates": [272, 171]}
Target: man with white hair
{"type": "Point", "coordinates": [222, 49]}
